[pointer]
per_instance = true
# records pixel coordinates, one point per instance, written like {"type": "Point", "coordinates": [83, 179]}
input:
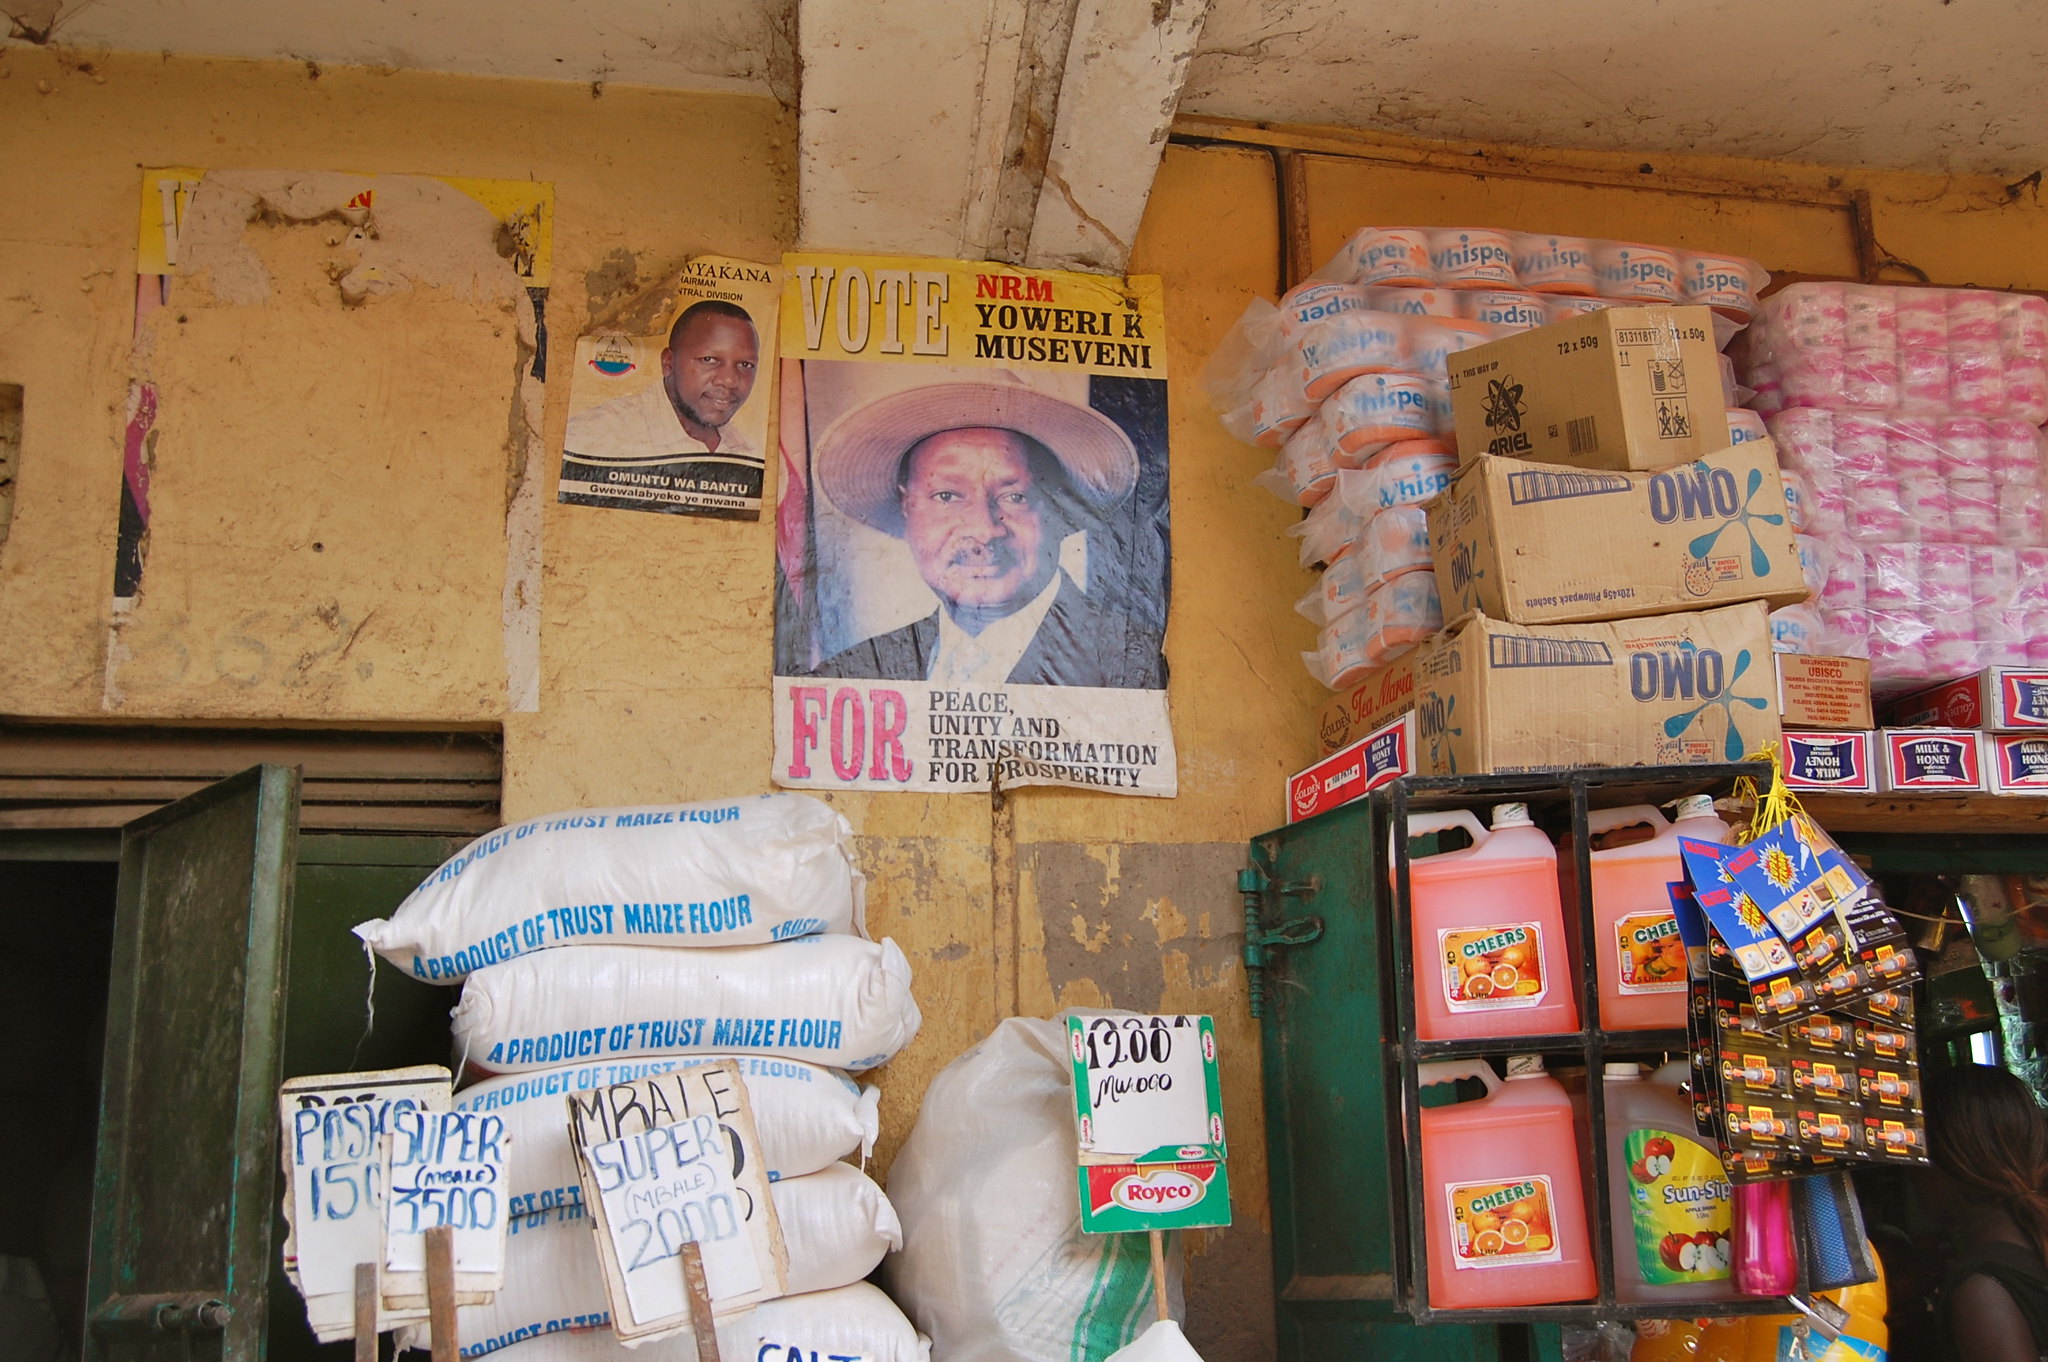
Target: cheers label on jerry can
{"type": "Point", "coordinates": [1829, 761]}
{"type": "Point", "coordinates": [1932, 759]}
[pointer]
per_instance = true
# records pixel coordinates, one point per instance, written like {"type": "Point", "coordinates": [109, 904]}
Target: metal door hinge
{"type": "Point", "coordinates": [1258, 938]}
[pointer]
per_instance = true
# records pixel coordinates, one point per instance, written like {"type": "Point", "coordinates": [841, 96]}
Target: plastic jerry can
{"type": "Point", "coordinates": [1671, 1199]}
{"type": "Point", "coordinates": [1637, 954]}
{"type": "Point", "coordinates": [1489, 935]}
{"type": "Point", "coordinates": [1502, 1203]}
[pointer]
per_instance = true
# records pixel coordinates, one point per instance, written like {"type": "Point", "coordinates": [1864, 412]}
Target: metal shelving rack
{"type": "Point", "coordinates": [1549, 795]}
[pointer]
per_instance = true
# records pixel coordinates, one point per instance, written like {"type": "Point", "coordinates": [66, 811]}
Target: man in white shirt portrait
{"type": "Point", "coordinates": [707, 373]}
{"type": "Point", "coordinates": [983, 481]}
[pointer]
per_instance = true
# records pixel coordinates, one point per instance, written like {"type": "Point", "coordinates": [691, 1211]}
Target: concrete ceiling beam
{"type": "Point", "coordinates": [1026, 131]}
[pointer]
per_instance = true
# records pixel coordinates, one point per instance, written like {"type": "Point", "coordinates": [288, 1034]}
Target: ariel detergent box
{"type": "Point", "coordinates": [1682, 689]}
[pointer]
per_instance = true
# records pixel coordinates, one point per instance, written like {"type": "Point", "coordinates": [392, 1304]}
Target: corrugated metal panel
{"type": "Point", "coordinates": [62, 776]}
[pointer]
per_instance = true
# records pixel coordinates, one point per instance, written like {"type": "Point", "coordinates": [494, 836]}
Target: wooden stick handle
{"type": "Point", "coordinates": [700, 1302]}
{"type": "Point", "coordinates": [366, 1312]}
{"type": "Point", "coordinates": [441, 1293]}
{"type": "Point", "coordinates": [1158, 1272]}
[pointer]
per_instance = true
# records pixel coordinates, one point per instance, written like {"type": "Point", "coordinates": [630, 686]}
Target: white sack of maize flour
{"type": "Point", "coordinates": [733, 872]}
{"type": "Point", "coordinates": [836, 1225]}
{"type": "Point", "coordinates": [833, 1000]}
{"type": "Point", "coordinates": [807, 1115]}
{"type": "Point", "coordinates": [994, 1266]}
{"type": "Point", "coordinates": [854, 1323]}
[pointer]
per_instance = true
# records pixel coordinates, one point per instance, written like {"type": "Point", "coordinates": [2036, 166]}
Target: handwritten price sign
{"type": "Point", "coordinates": [1148, 1113]}
{"type": "Point", "coordinates": [443, 1168]}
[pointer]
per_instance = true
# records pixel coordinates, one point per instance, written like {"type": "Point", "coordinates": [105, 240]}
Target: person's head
{"type": "Point", "coordinates": [1985, 1132]}
{"type": "Point", "coordinates": [708, 366]}
{"type": "Point", "coordinates": [984, 511]}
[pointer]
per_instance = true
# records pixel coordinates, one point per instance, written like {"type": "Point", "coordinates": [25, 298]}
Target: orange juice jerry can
{"type": "Point", "coordinates": [1636, 949]}
{"type": "Point", "coordinates": [1504, 1209]}
{"type": "Point", "coordinates": [1489, 935]}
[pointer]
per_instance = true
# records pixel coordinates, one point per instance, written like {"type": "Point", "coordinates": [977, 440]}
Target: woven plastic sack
{"type": "Point", "coordinates": [994, 1267]}
{"type": "Point", "coordinates": [807, 1115]}
{"type": "Point", "coordinates": [722, 873]}
{"type": "Point", "coordinates": [836, 1225]}
{"type": "Point", "coordinates": [849, 1322]}
{"type": "Point", "coordinates": [833, 1000]}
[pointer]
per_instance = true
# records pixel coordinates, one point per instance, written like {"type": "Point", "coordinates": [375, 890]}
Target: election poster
{"type": "Point", "coordinates": [664, 414]}
{"type": "Point", "coordinates": [972, 547]}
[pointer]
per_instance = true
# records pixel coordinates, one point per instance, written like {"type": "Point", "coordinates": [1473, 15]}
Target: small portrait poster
{"type": "Point", "coordinates": [665, 413]}
{"type": "Point", "coordinates": [972, 534]}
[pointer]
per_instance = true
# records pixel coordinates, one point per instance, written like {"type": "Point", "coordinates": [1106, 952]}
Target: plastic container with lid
{"type": "Point", "coordinates": [1669, 1194]}
{"type": "Point", "coordinates": [1637, 954]}
{"type": "Point", "coordinates": [1504, 1209]}
{"type": "Point", "coordinates": [1489, 934]}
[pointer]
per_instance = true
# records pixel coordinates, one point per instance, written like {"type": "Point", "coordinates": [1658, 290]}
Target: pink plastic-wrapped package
{"type": "Point", "coordinates": [1378, 409]}
{"type": "Point", "coordinates": [1329, 531]}
{"type": "Point", "coordinates": [1965, 352]}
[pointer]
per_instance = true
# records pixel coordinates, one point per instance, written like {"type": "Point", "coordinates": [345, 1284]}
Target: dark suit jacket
{"type": "Point", "coordinates": [1081, 642]}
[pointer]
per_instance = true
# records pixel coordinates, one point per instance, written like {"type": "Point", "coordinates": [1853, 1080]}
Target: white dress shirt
{"type": "Point", "coordinates": [642, 427]}
{"type": "Point", "coordinates": [987, 658]}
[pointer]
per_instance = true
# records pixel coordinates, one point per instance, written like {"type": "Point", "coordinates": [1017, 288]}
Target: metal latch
{"type": "Point", "coordinates": [1258, 938]}
{"type": "Point", "coordinates": [169, 1314]}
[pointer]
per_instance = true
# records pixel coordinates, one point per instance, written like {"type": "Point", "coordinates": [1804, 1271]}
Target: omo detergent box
{"type": "Point", "coordinates": [1539, 543]}
{"type": "Point", "coordinates": [1624, 387]}
{"type": "Point", "coordinates": [1681, 689]}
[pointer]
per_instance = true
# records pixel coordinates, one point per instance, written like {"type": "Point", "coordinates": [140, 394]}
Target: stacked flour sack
{"type": "Point", "coordinates": [602, 946]}
{"type": "Point", "coordinates": [1908, 422]}
{"type": "Point", "coordinates": [1347, 380]}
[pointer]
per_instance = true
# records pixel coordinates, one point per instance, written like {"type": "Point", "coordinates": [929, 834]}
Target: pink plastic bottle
{"type": "Point", "coordinates": [1489, 935]}
{"type": "Point", "coordinates": [1503, 1206]}
{"type": "Point", "coordinates": [1638, 956]}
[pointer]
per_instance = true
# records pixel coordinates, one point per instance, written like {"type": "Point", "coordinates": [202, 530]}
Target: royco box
{"type": "Point", "coordinates": [1686, 688]}
{"type": "Point", "coordinates": [1385, 694]}
{"type": "Point", "coordinates": [1539, 543]}
{"type": "Point", "coordinates": [1625, 387]}
{"type": "Point", "coordinates": [1823, 692]}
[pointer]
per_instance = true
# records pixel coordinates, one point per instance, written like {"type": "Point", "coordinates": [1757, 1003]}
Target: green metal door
{"type": "Point", "coordinates": [343, 879]}
{"type": "Point", "coordinates": [1328, 1087]}
{"type": "Point", "coordinates": [185, 1180]}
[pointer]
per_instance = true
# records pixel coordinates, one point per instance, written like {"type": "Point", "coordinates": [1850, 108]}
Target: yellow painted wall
{"type": "Point", "coordinates": [655, 641]}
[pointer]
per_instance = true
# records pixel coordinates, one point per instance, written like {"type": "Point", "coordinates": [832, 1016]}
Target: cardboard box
{"type": "Point", "coordinates": [2017, 763]}
{"type": "Point", "coordinates": [1824, 692]}
{"type": "Point", "coordinates": [2000, 699]}
{"type": "Point", "coordinates": [1672, 689]}
{"type": "Point", "coordinates": [1625, 387]}
{"type": "Point", "coordinates": [1837, 762]}
{"type": "Point", "coordinates": [1539, 543]}
{"type": "Point", "coordinates": [1947, 760]}
{"type": "Point", "coordinates": [1386, 693]}
{"type": "Point", "coordinates": [1354, 772]}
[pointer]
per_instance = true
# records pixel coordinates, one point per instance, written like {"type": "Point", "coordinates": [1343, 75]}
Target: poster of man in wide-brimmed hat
{"type": "Point", "coordinates": [972, 537]}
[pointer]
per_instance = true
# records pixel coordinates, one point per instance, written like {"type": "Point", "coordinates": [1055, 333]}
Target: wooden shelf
{"type": "Point", "coordinates": [1957, 813]}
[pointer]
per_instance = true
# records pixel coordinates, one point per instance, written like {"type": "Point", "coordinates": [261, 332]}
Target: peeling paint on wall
{"type": "Point", "coordinates": [279, 241]}
{"type": "Point", "coordinates": [1134, 920]}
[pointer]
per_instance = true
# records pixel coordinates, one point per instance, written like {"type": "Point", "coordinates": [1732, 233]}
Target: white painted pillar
{"type": "Point", "coordinates": [1026, 131]}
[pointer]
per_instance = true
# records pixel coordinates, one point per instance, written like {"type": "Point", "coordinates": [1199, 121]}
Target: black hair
{"type": "Point", "coordinates": [1985, 1131]}
{"type": "Point", "coordinates": [710, 307]}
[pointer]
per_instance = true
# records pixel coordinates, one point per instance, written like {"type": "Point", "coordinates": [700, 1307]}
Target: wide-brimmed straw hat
{"type": "Point", "coordinates": [860, 454]}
